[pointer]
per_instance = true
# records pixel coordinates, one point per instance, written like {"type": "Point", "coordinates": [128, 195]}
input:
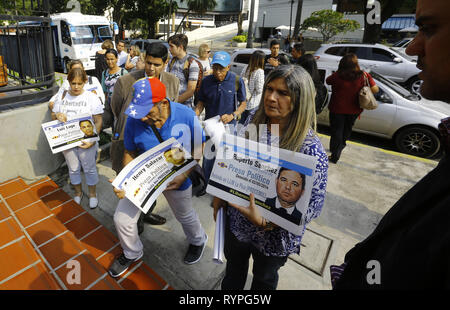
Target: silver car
{"type": "Point", "coordinates": [388, 62]}
{"type": "Point", "coordinates": [241, 57]}
{"type": "Point", "coordinates": [408, 119]}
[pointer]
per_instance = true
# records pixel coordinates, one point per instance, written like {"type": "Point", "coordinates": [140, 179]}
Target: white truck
{"type": "Point", "coordinates": [79, 36]}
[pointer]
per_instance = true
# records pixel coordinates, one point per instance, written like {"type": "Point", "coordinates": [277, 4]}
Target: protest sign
{"type": "Point", "coordinates": [63, 136]}
{"type": "Point", "coordinates": [281, 180]}
{"type": "Point", "coordinates": [147, 176]}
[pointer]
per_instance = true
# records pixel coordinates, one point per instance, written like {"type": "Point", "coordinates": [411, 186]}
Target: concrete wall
{"type": "Point", "coordinates": [24, 150]}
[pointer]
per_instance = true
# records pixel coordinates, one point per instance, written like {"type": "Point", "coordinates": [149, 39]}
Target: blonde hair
{"type": "Point", "coordinates": [107, 44]}
{"type": "Point", "coordinates": [202, 49]}
{"type": "Point", "coordinates": [303, 116]}
{"type": "Point", "coordinates": [136, 50]}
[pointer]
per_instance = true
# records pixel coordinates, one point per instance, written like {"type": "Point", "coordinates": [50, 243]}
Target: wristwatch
{"type": "Point", "coordinates": [235, 116]}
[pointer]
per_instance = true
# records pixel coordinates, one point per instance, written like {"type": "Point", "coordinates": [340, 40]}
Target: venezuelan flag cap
{"type": "Point", "coordinates": [147, 92]}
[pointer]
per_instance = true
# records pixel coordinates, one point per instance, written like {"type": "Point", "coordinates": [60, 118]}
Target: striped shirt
{"type": "Point", "coordinates": [255, 86]}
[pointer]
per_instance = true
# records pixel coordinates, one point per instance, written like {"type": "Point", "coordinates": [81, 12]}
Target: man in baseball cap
{"type": "Point", "coordinates": [151, 111]}
{"type": "Point", "coordinates": [221, 94]}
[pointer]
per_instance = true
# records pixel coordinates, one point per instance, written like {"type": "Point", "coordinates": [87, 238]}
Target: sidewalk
{"type": "Point", "coordinates": [361, 189]}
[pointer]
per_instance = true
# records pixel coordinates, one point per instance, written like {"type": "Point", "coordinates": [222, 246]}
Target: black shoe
{"type": "Point", "coordinates": [120, 265]}
{"type": "Point", "coordinates": [194, 253]}
{"type": "Point", "coordinates": [331, 160]}
{"type": "Point", "coordinates": [201, 192]}
{"type": "Point", "coordinates": [154, 219]}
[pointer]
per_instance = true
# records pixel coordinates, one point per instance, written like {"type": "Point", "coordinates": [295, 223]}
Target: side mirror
{"type": "Point", "coordinates": [398, 60]}
{"type": "Point", "coordinates": [385, 98]}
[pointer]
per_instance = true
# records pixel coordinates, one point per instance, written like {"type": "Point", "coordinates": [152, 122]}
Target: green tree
{"type": "Point", "coordinates": [329, 23]}
{"type": "Point", "coordinates": [197, 6]}
{"type": "Point", "coordinates": [372, 31]}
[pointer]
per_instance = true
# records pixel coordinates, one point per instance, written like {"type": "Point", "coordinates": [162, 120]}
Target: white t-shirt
{"type": "Point", "coordinates": [123, 56]}
{"type": "Point", "coordinates": [206, 64]}
{"type": "Point", "coordinates": [86, 103]}
{"type": "Point", "coordinates": [95, 86]}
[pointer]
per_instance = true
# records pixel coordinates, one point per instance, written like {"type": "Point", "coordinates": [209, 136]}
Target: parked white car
{"type": "Point", "coordinates": [241, 57]}
{"type": "Point", "coordinates": [408, 119]}
{"type": "Point", "coordinates": [388, 62]}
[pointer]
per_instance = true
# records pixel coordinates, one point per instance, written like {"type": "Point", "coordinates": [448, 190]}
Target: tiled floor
{"type": "Point", "coordinates": [47, 242]}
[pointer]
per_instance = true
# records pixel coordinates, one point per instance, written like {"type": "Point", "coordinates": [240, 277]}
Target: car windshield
{"type": "Point", "coordinates": [410, 58]}
{"type": "Point", "coordinates": [395, 87]}
{"type": "Point", "coordinates": [90, 34]}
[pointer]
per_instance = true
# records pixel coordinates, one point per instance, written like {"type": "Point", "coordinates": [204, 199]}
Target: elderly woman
{"type": "Point", "coordinates": [204, 53]}
{"type": "Point", "coordinates": [287, 108]}
{"type": "Point", "coordinates": [133, 58]}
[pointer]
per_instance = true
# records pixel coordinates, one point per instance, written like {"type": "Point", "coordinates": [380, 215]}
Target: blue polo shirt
{"type": "Point", "coordinates": [182, 124]}
{"type": "Point", "coordinates": [220, 98]}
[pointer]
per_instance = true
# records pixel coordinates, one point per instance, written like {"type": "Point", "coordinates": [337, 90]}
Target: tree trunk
{"type": "Point", "coordinates": [181, 23]}
{"type": "Point", "coordinates": [250, 25]}
{"type": "Point", "coordinates": [298, 19]}
{"type": "Point", "coordinates": [239, 23]}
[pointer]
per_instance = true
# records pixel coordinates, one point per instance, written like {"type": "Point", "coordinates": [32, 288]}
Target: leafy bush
{"type": "Point", "coordinates": [240, 39]}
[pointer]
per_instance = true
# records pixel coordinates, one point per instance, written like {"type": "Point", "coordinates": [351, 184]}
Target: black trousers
{"type": "Point", "coordinates": [265, 268]}
{"type": "Point", "coordinates": [341, 128]}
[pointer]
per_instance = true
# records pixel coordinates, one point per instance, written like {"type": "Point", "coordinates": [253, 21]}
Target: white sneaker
{"type": "Point", "coordinates": [77, 199]}
{"type": "Point", "coordinates": [93, 202]}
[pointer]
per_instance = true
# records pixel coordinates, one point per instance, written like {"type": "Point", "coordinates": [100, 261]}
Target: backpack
{"type": "Point", "coordinates": [186, 67]}
{"type": "Point", "coordinates": [321, 99]}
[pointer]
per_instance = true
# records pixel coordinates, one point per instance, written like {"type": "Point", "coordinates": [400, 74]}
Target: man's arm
{"type": "Point", "coordinates": [128, 157]}
{"type": "Point", "coordinates": [117, 99]}
{"type": "Point", "coordinates": [226, 118]}
{"type": "Point", "coordinates": [189, 91]}
{"type": "Point", "coordinates": [199, 108]}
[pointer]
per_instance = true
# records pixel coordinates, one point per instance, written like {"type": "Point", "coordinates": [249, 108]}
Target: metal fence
{"type": "Point", "coordinates": [27, 52]}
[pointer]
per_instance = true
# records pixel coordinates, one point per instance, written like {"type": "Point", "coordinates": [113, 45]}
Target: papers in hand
{"type": "Point", "coordinates": [219, 238]}
{"type": "Point", "coordinates": [243, 166]}
{"type": "Point", "coordinates": [215, 129]}
{"type": "Point", "coordinates": [63, 136]}
{"type": "Point", "coordinates": [148, 175]}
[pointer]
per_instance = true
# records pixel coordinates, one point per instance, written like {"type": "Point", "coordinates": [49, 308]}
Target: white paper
{"type": "Point", "coordinates": [215, 129]}
{"type": "Point", "coordinates": [63, 136]}
{"type": "Point", "coordinates": [219, 238]}
{"type": "Point", "coordinates": [243, 167]}
{"type": "Point", "coordinates": [147, 176]}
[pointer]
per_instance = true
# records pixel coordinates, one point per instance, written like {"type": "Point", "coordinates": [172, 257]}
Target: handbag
{"type": "Point", "coordinates": [367, 100]}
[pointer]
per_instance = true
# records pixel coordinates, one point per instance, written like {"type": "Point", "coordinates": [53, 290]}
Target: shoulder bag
{"type": "Point", "coordinates": [367, 100]}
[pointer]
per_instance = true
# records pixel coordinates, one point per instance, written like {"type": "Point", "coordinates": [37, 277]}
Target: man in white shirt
{"type": "Point", "coordinates": [123, 56]}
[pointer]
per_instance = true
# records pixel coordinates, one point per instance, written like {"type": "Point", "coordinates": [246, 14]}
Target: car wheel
{"type": "Point", "coordinates": [414, 85]}
{"type": "Point", "coordinates": [418, 141]}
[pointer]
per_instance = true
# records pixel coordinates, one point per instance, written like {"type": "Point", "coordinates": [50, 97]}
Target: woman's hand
{"type": "Point", "coordinates": [251, 212]}
{"type": "Point", "coordinates": [120, 193]}
{"type": "Point", "coordinates": [61, 117]}
{"type": "Point", "coordinates": [217, 205]}
{"type": "Point", "coordinates": [86, 145]}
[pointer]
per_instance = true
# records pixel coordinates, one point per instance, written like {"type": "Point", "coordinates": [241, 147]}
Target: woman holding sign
{"type": "Point", "coordinates": [287, 108]}
{"type": "Point", "coordinates": [78, 101]}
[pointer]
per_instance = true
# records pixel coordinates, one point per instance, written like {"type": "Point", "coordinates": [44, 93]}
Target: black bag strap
{"type": "Point", "coordinates": [157, 134]}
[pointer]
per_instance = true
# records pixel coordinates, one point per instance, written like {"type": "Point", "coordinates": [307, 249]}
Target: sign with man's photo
{"type": "Point", "coordinates": [148, 175]}
{"type": "Point", "coordinates": [281, 180]}
{"type": "Point", "coordinates": [63, 136]}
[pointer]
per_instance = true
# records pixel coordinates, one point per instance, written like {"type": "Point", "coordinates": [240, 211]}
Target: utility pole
{"type": "Point", "coordinates": [250, 25]}
{"type": "Point", "coordinates": [262, 32]}
{"type": "Point", "coordinates": [290, 21]}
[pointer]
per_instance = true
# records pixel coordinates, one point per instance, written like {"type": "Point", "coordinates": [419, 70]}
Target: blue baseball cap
{"type": "Point", "coordinates": [222, 58]}
{"type": "Point", "coordinates": [147, 91]}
